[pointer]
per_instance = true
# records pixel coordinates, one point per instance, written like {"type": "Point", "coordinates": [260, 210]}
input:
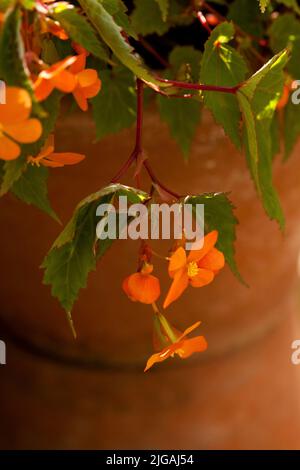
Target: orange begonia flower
{"type": "Point", "coordinates": [48, 157]}
{"type": "Point", "coordinates": [15, 124]}
{"type": "Point", "coordinates": [83, 83]}
{"type": "Point", "coordinates": [142, 286]}
{"type": "Point", "coordinates": [88, 83]}
{"type": "Point", "coordinates": [198, 268]}
{"type": "Point", "coordinates": [182, 347]}
{"type": "Point", "coordinates": [55, 76]}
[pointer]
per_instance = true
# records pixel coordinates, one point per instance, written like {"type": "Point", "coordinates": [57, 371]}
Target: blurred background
{"type": "Point", "coordinates": [242, 393]}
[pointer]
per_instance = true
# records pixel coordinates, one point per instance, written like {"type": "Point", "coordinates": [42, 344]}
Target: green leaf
{"type": "Point", "coordinates": [13, 69]}
{"type": "Point", "coordinates": [79, 30]}
{"type": "Point", "coordinates": [164, 8]}
{"type": "Point", "coordinates": [219, 215]}
{"type": "Point", "coordinates": [67, 267]}
{"type": "Point", "coordinates": [73, 254]}
{"type": "Point", "coordinates": [12, 171]}
{"type": "Point", "coordinates": [263, 5]}
{"type": "Point", "coordinates": [182, 117]}
{"type": "Point", "coordinates": [147, 18]}
{"type": "Point", "coordinates": [247, 16]}
{"type": "Point", "coordinates": [184, 60]}
{"type": "Point", "coordinates": [31, 188]}
{"type": "Point", "coordinates": [223, 66]}
{"type": "Point", "coordinates": [117, 96]}
{"type": "Point", "coordinates": [118, 10]}
{"type": "Point", "coordinates": [291, 130]}
{"type": "Point", "coordinates": [258, 98]}
{"type": "Point", "coordinates": [111, 34]}
{"type": "Point", "coordinates": [275, 136]}
{"type": "Point", "coordinates": [285, 32]}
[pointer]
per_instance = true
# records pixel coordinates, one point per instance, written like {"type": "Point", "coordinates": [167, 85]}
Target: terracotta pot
{"type": "Point", "coordinates": [115, 334]}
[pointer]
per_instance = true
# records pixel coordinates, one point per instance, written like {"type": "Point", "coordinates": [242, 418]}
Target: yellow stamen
{"type": "Point", "coordinates": [192, 269]}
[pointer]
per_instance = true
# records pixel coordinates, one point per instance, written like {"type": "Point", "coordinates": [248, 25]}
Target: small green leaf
{"type": "Point", "coordinates": [12, 171]}
{"type": "Point", "coordinates": [117, 96]}
{"type": "Point", "coordinates": [285, 32]}
{"type": "Point", "coordinates": [147, 18]}
{"type": "Point", "coordinates": [74, 253]}
{"type": "Point", "coordinates": [247, 16]}
{"type": "Point", "coordinates": [182, 117]}
{"type": "Point", "coordinates": [174, 111]}
{"type": "Point", "coordinates": [258, 98]}
{"type": "Point", "coordinates": [111, 34]}
{"type": "Point", "coordinates": [79, 30]}
{"type": "Point", "coordinates": [186, 56]}
{"type": "Point", "coordinates": [164, 8]}
{"type": "Point", "coordinates": [223, 66]}
{"type": "Point", "coordinates": [31, 188]}
{"type": "Point", "coordinates": [67, 267]}
{"type": "Point", "coordinates": [219, 215]}
{"type": "Point", "coordinates": [118, 10]}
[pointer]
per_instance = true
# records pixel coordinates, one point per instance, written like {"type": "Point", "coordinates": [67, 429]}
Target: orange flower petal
{"type": "Point", "coordinates": [203, 278]}
{"type": "Point", "coordinates": [214, 260]}
{"type": "Point", "coordinates": [48, 147]}
{"type": "Point", "coordinates": [63, 158]}
{"type": "Point", "coordinates": [58, 67]}
{"type": "Point", "coordinates": [79, 63]}
{"type": "Point", "coordinates": [188, 330]}
{"type": "Point", "coordinates": [25, 132]}
{"type": "Point", "coordinates": [178, 286]}
{"type": "Point", "coordinates": [87, 77]}
{"type": "Point", "coordinates": [190, 346]}
{"type": "Point", "coordinates": [144, 288]}
{"type": "Point", "coordinates": [9, 150]}
{"type": "Point", "coordinates": [80, 99]}
{"type": "Point", "coordinates": [158, 357]}
{"type": "Point", "coordinates": [42, 88]}
{"type": "Point", "coordinates": [17, 107]}
{"type": "Point", "coordinates": [93, 90]}
{"type": "Point", "coordinates": [208, 243]}
{"type": "Point", "coordinates": [126, 289]}
{"type": "Point", "coordinates": [177, 261]}
{"type": "Point", "coordinates": [64, 81]}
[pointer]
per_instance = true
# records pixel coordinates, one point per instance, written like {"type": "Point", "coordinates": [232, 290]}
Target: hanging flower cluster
{"type": "Point", "coordinates": [20, 123]}
{"type": "Point", "coordinates": [197, 268]}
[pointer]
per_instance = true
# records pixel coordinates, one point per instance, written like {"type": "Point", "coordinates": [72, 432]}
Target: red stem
{"type": "Point", "coordinates": [138, 136]}
{"type": "Point", "coordinates": [152, 51]}
{"type": "Point", "coordinates": [199, 86]}
{"type": "Point", "coordinates": [154, 179]}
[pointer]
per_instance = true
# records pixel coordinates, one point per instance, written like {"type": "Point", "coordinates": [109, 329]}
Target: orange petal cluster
{"type": "Point", "coordinates": [142, 286]}
{"type": "Point", "coordinates": [183, 347]}
{"type": "Point", "coordinates": [197, 269]}
{"type": "Point", "coordinates": [69, 76]}
{"type": "Point", "coordinates": [16, 126]}
{"type": "Point", "coordinates": [47, 156]}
